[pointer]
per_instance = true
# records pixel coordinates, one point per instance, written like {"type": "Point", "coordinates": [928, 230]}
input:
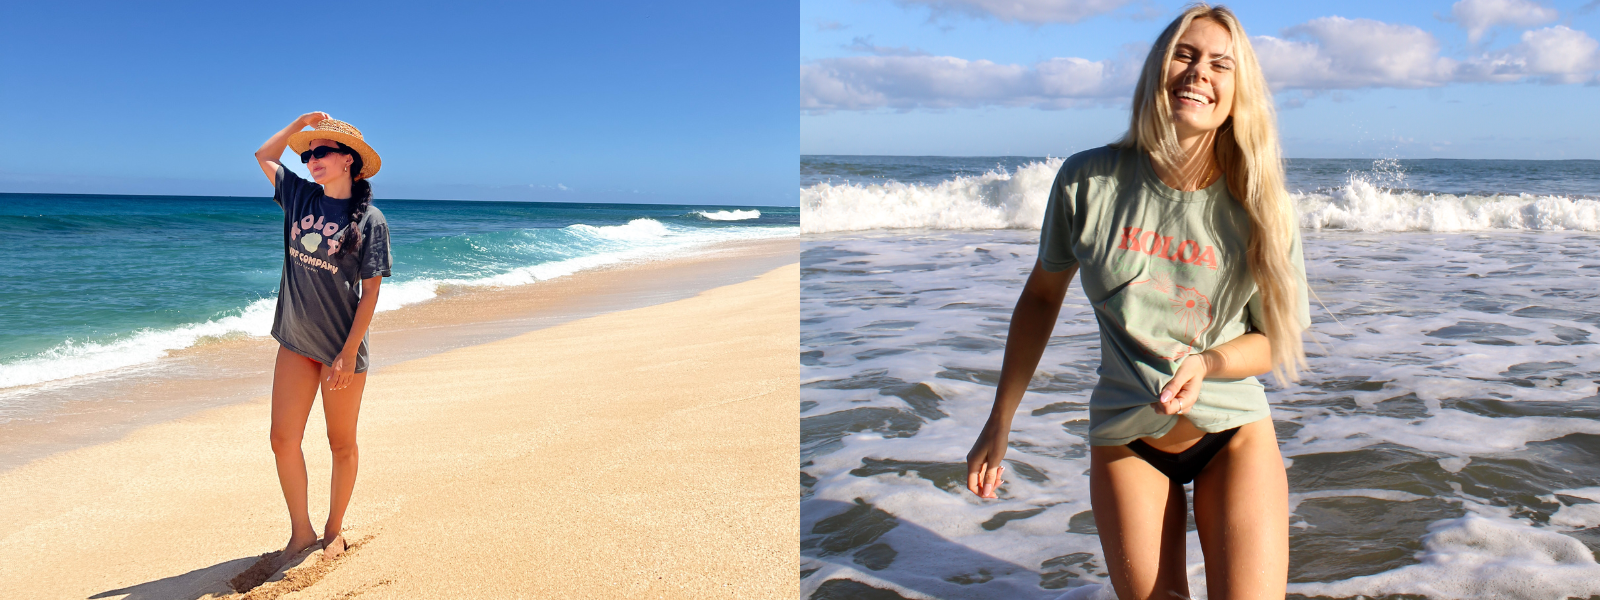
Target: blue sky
{"type": "Point", "coordinates": [615, 102]}
{"type": "Point", "coordinates": [1354, 79]}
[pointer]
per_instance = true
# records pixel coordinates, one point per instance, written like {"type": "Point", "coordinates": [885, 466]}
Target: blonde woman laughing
{"type": "Point", "coordinates": [1185, 243]}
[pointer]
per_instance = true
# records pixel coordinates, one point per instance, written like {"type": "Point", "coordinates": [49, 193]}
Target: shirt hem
{"type": "Point", "coordinates": [1239, 421]}
{"type": "Point", "coordinates": [1054, 267]}
{"type": "Point", "coordinates": [296, 350]}
{"type": "Point", "coordinates": [325, 363]}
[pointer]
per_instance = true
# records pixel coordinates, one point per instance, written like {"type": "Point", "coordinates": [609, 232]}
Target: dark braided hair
{"type": "Point", "coordinates": [360, 199]}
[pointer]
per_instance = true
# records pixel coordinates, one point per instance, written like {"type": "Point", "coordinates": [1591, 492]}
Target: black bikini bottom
{"type": "Point", "coordinates": [1184, 466]}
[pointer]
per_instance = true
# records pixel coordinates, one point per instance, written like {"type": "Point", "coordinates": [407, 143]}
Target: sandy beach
{"type": "Point", "coordinates": [61, 415]}
{"type": "Point", "coordinates": [647, 452]}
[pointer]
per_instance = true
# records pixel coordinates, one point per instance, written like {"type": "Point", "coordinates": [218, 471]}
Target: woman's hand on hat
{"type": "Point", "coordinates": [1183, 390]}
{"type": "Point", "coordinates": [312, 118]}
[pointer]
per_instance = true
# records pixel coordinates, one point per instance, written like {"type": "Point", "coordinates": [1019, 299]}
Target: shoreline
{"type": "Point", "coordinates": [642, 452]}
{"type": "Point", "coordinates": [98, 408]}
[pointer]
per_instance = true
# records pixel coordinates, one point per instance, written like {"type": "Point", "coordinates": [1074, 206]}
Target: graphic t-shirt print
{"type": "Point", "coordinates": [1165, 316]}
{"type": "Point", "coordinates": [313, 233]}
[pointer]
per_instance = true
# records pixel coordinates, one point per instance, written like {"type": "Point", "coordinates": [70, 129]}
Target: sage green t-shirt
{"type": "Point", "coordinates": [1166, 273]}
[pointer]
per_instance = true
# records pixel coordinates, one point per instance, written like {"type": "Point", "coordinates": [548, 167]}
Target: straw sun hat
{"type": "Point", "coordinates": [344, 133]}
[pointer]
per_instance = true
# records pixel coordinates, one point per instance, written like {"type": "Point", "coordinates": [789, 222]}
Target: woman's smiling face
{"type": "Point", "coordinates": [330, 167]}
{"type": "Point", "coordinates": [1200, 78]}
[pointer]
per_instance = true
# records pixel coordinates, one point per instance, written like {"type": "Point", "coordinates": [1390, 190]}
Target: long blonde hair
{"type": "Point", "coordinates": [1248, 153]}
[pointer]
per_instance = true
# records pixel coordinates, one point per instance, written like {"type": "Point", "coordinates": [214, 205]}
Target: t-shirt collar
{"type": "Point", "coordinates": [1147, 176]}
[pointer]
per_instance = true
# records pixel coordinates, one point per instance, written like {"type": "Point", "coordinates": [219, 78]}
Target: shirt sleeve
{"type": "Point", "coordinates": [1297, 262]}
{"type": "Point", "coordinates": [375, 258]}
{"type": "Point", "coordinates": [288, 188]}
{"type": "Point", "coordinates": [1059, 233]}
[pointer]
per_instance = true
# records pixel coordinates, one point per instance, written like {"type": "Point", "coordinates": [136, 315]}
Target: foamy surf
{"type": "Point", "coordinates": [74, 358]}
{"type": "Point", "coordinates": [729, 215]}
{"type": "Point", "coordinates": [1361, 205]}
{"type": "Point", "coordinates": [999, 199]}
{"type": "Point", "coordinates": [1476, 556]}
{"type": "Point", "coordinates": [1443, 443]}
{"type": "Point", "coordinates": [1016, 198]}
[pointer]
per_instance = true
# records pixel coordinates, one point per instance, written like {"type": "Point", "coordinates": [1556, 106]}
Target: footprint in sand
{"type": "Point", "coordinates": [271, 577]}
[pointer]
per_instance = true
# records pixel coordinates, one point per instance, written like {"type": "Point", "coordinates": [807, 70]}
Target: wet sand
{"type": "Point", "coordinates": [643, 453]}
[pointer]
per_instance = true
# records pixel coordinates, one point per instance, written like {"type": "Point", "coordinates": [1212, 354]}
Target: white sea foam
{"type": "Point", "coordinates": [1363, 206]}
{"type": "Point", "coordinates": [1016, 200]}
{"type": "Point", "coordinates": [729, 215]}
{"type": "Point", "coordinates": [1453, 354]}
{"type": "Point", "coordinates": [995, 200]}
{"type": "Point", "coordinates": [1577, 516]}
{"type": "Point", "coordinates": [73, 358]}
{"type": "Point", "coordinates": [636, 241]}
{"type": "Point", "coordinates": [1444, 430]}
{"type": "Point", "coordinates": [1481, 557]}
{"type": "Point", "coordinates": [635, 230]}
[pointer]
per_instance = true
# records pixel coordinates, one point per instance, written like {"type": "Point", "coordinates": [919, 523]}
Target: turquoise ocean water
{"type": "Point", "coordinates": [93, 284]}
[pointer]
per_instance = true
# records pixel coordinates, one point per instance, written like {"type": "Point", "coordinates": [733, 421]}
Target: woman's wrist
{"type": "Point", "coordinates": [1210, 360]}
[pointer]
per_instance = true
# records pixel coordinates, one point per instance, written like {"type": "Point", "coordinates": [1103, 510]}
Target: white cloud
{"type": "Point", "coordinates": [1023, 11]}
{"type": "Point", "coordinates": [1314, 58]}
{"type": "Point", "coordinates": [938, 82]}
{"type": "Point", "coordinates": [1478, 16]}
{"type": "Point", "coordinates": [1552, 55]}
{"type": "Point", "coordinates": [1340, 53]}
{"type": "Point", "coordinates": [1561, 52]}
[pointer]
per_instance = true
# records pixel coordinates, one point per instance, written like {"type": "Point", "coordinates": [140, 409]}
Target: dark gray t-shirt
{"type": "Point", "coordinates": [319, 291]}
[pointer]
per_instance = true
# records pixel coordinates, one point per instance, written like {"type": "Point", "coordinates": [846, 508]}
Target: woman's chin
{"type": "Point", "coordinates": [1189, 127]}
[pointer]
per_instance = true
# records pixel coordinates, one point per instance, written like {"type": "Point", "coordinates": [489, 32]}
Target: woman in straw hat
{"type": "Point", "coordinates": [336, 252]}
{"type": "Point", "coordinates": [1188, 250]}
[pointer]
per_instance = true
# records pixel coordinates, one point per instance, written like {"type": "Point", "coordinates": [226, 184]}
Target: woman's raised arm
{"type": "Point", "coordinates": [269, 153]}
{"type": "Point", "coordinates": [1031, 324]}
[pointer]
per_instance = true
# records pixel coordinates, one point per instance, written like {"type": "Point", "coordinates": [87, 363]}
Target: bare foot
{"type": "Point", "coordinates": [332, 548]}
{"type": "Point", "coordinates": [299, 543]}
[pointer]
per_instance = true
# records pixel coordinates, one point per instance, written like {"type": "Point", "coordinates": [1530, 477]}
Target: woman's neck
{"type": "Point", "coordinates": [1196, 169]}
{"type": "Point", "coordinates": [338, 189]}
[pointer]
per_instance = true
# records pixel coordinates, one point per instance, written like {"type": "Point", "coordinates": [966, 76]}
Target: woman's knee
{"type": "Point", "coordinates": [285, 441]}
{"type": "Point", "coordinates": [343, 447]}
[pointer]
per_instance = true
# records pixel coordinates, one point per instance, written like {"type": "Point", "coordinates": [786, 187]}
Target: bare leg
{"type": "Point", "coordinates": [1141, 516]}
{"type": "Point", "coordinates": [294, 387]}
{"type": "Point", "coordinates": [341, 408]}
{"type": "Point", "coordinates": [1241, 508]}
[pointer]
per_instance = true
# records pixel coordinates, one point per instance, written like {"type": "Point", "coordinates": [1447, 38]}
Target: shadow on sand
{"type": "Point", "coordinates": [215, 581]}
{"type": "Point", "coordinates": [196, 584]}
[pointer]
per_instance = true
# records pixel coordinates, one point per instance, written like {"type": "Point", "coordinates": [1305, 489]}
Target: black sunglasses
{"type": "Point", "coordinates": [320, 152]}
